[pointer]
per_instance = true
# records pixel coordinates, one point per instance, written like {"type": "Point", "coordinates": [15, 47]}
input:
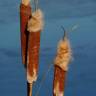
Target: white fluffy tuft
{"type": "Point", "coordinates": [36, 22]}
{"type": "Point", "coordinates": [25, 2]}
{"type": "Point", "coordinates": [61, 94]}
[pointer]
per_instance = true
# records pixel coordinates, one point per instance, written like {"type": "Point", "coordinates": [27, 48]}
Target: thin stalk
{"type": "Point", "coordinates": [29, 89]}
{"type": "Point", "coordinates": [65, 34]}
{"type": "Point", "coordinates": [36, 5]}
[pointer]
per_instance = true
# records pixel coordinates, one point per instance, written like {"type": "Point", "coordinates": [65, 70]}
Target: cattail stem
{"type": "Point", "coordinates": [36, 4]}
{"type": "Point", "coordinates": [65, 35]}
{"type": "Point", "coordinates": [29, 89]}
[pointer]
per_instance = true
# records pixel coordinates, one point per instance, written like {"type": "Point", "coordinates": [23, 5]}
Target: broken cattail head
{"type": "Point", "coordinates": [63, 54]}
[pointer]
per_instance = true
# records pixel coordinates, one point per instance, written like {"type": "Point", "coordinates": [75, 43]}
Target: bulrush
{"type": "Point", "coordinates": [61, 62]}
{"type": "Point", "coordinates": [31, 24]}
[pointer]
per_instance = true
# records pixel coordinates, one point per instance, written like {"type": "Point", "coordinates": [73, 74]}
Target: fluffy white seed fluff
{"type": "Point", "coordinates": [33, 78]}
{"type": "Point", "coordinates": [56, 90]}
{"type": "Point", "coordinates": [36, 22]}
{"type": "Point", "coordinates": [63, 56]}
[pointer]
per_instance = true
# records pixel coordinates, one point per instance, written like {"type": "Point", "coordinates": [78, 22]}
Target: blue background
{"type": "Point", "coordinates": [81, 77]}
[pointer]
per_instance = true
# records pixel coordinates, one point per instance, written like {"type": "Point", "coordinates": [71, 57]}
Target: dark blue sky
{"type": "Point", "coordinates": [81, 79]}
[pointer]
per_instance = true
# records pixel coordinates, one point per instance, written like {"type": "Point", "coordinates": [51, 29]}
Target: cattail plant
{"type": "Point", "coordinates": [61, 62]}
{"type": "Point", "coordinates": [31, 27]}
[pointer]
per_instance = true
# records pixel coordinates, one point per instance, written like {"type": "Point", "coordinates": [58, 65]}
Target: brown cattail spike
{"type": "Point", "coordinates": [25, 13]}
